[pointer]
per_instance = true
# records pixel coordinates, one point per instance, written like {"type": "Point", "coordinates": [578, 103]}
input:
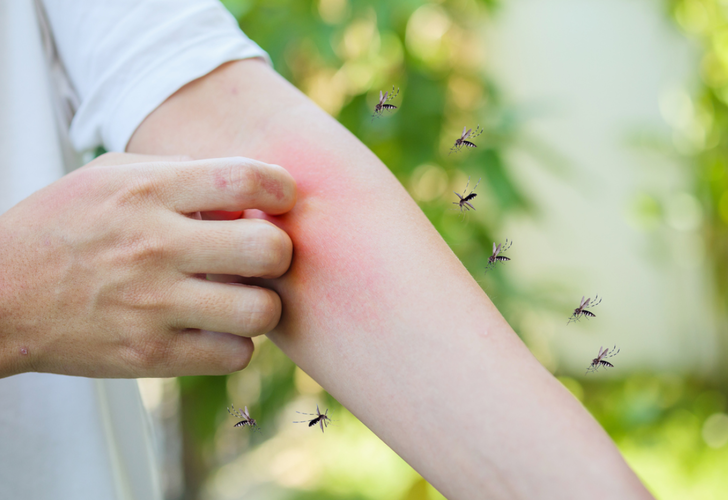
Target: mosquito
{"type": "Point", "coordinates": [245, 416]}
{"type": "Point", "coordinates": [581, 310]}
{"type": "Point", "coordinates": [600, 360]}
{"type": "Point", "coordinates": [495, 258]}
{"type": "Point", "coordinates": [322, 419]}
{"type": "Point", "coordinates": [382, 105]}
{"type": "Point", "coordinates": [464, 203]}
{"type": "Point", "coordinates": [467, 134]}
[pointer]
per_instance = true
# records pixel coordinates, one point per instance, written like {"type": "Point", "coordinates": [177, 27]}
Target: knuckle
{"type": "Point", "coordinates": [149, 355]}
{"type": "Point", "coordinates": [145, 248]}
{"type": "Point", "coordinates": [244, 180]}
{"type": "Point", "coordinates": [137, 189]}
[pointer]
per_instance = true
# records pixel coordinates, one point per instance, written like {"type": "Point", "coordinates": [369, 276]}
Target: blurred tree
{"type": "Point", "coordinates": [672, 430]}
{"type": "Point", "coordinates": [703, 136]}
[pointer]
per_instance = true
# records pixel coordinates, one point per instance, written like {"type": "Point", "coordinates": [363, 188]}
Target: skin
{"type": "Point", "coordinates": [380, 312]}
{"type": "Point", "coordinates": [108, 266]}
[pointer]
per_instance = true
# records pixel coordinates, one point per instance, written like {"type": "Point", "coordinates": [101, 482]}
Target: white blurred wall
{"type": "Point", "coordinates": [592, 75]}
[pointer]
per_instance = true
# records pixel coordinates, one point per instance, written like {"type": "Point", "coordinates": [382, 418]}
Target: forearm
{"type": "Point", "coordinates": [383, 315]}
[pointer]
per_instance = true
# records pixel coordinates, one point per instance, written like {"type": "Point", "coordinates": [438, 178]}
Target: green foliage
{"type": "Point", "coordinates": [208, 393]}
{"type": "Point", "coordinates": [672, 430]}
{"type": "Point", "coordinates": [704, 138]}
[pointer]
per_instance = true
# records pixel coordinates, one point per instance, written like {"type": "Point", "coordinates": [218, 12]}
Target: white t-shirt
{"type": "Point", "coordinates": [107, 65]}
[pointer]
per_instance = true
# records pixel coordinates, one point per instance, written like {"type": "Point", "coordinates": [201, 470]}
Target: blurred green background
{"type": "Point", "coordinates": [670, 424]}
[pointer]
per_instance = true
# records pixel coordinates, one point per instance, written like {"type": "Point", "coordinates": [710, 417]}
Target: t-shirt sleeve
{"type": "Point", "coordinates": [126, 57]}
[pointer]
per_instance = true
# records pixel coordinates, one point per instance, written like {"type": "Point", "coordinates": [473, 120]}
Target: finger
{"type": "Point", "coordinates": [200, 352]}
{"type": "Point", "coordinates": [229, 184]}
{"type": "Point", "coordinates": [245, 247]}
{"type": "Point", "coordinates": [242, 310]}
{"type": "Point", "coordinates": [109, 159]}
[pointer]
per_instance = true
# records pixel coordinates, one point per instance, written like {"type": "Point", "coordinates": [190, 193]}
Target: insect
{"type": "Point", "coordinates": [245, 416]}
{"type": "Point", "coordinates": [495, 258]}
{"type": "Point", "coordinates": [600, 360]}
{"type": "Point", "coordinates": [382, 104]}
{"type": "Point", "coordinates": [467, 134]}
{"type": "Point", "coordinates": [322, 419]}
{"type": "Point", "coordinates": [464, 203]}
{"type": "Point", "coordinates": [581, 310]}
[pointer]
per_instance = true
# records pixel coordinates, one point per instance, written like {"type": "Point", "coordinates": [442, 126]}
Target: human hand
{"type": "Point", "coordinates": [102, 273]}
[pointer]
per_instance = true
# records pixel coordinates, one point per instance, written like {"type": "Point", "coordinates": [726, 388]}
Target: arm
{"type": "Point", "coordinates": [382, 314]}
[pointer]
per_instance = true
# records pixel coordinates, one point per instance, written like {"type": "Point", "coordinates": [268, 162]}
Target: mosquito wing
{"type": "Point", "coordinates": [466, 134]}
{"type": "Point", "coordinates": [494, 248]}
{"type": "Point", "coordinates": [246, 412]}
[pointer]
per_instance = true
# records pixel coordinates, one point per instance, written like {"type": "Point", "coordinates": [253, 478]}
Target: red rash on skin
{"type": "Point", "coordinates": [327, 265]}
{"type": "Point", "coordinates": [328, 257]}
{"type": "Point", "coordinates": [315, 172]}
